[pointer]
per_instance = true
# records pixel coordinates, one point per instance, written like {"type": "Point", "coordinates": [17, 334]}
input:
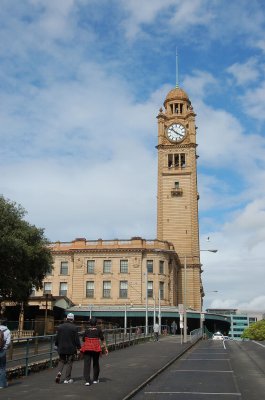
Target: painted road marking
{"type": "Point", "coordinates": [197, 393]}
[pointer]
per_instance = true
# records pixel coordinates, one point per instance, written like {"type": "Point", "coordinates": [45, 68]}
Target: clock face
{"type": "Point", "coordinates": [176, 132]}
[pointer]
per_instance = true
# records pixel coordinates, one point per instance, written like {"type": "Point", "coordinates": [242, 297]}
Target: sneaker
{"type": "Point", "coordinates": [87, 384]}
{"type": "Point", "coordinates": [58, 377]}
{"type": "Point", "coordinates": [68, 381]}
{"type": "Point", "coordinates": [96, 381]}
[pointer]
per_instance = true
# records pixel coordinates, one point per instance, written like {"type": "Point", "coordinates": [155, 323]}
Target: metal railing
{"type": "Point", "coordinates": [37, 352]}
{"type": "Point", "coordinates": [196, 334]}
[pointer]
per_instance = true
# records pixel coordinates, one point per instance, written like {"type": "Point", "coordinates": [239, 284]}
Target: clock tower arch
{"type": "Point", "coordinates": [177, 197]}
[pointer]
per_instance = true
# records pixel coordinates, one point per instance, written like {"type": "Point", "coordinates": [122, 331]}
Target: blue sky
{"type": "Point", "coordinates": [81, 84]}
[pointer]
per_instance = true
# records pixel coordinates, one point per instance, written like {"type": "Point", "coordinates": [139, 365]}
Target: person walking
{"type": "Point", "coordinates": [68, 344]}
{"type": "Point", "coordinates": [5, 339]}
{"type": "Point", "coordinates": [156, 331]}
{"type": "Point", "coordinates": [94, 343]}
{"type": "Point", "coordinates": [174, 327]}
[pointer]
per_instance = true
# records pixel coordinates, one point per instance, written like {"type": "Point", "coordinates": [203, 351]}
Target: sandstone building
{"type": "Point", "coordinates": [138, 271]}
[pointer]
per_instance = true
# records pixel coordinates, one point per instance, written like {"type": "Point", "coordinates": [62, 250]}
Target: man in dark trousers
{"type": "Point", "coordinates": [68, 343]}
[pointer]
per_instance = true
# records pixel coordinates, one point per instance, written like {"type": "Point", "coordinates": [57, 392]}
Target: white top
{"type": "Point", "coordinates": [7, 336]}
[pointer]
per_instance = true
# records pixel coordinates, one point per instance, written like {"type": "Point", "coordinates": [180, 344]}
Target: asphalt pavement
{"type": "Point", "coordinates": [212, 370]}
{"type": "Point", "coordinates": [122, 373]}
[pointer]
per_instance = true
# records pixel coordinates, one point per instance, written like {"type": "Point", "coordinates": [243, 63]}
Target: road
{"type": "Point", "coordinates": [212, 370]}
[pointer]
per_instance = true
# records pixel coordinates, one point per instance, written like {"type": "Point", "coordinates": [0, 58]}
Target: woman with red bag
{"type": "Point", "coordinates": [93, 342]}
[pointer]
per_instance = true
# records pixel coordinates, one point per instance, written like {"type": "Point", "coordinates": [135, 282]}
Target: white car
{"type": "Point", "coordinates": [217, 336]}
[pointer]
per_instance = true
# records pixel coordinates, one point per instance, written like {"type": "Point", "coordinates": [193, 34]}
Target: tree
{"type": "Point", "coordinates": [25, 257]}
{"type": "Point", "coordinates": [255, 331]}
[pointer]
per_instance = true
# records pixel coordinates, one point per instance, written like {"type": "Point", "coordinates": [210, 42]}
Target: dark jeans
{"type": "Point", "coordinates": [3, 382]}
{"type": "Point", "coordinates": [88, 357]}
{"type": "Point", "coordinates": [66, 359]}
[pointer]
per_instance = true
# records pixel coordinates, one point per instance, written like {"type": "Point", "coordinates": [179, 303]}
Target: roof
{"type": "Point", "coordinates": [177, 93]}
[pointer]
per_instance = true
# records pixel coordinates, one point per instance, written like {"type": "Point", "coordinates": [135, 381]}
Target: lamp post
{"type": "Point", "coordinates": [159, 311]}
{"type": "Point", "coordinates": [202, 318]}
{"type": "Point", "coordinates": [46, 314]}
{"type": "Point", "coordinates": [125, 319]}
{"type": "Point", "coordinates": [185, 302]}
{"type": "Point", "coordinates": [146, 302]}
{"type": "Point", "coordinates": [185, 296]}
{"type": "Point", "coordinates": [90, 311]}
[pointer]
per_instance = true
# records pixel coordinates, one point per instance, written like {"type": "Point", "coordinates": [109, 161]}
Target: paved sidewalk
{"type": "Point", "coordinates": [122, 371]}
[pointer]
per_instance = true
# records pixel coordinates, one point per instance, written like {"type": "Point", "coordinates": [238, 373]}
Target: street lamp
{"type": "Point", "coordinates": [202, 319]}
{"type": "Point", "coordinates": [146, 302]}
{"type": "Point", "coordinates": [125, 319]}
{"type": "Point", "coordinates": [185, 296]}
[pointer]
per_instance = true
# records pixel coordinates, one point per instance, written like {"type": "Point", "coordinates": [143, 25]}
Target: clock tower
{"type": "Point", "coordinates": [177, 200]}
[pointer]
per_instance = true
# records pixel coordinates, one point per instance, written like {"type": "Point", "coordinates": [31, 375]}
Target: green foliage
{"type": "Point", "coordinates": [255, 331]}
{"type": "Point", "coordinates": [25, 257]}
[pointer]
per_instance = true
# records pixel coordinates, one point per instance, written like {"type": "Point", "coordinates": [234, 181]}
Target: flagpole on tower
{"type": "Point", "coordinates": [177, 69]}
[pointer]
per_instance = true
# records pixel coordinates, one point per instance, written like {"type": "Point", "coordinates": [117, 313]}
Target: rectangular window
{"type": "Point", "coordinates": [176, 185]}
{"type": "Point", "coordinates": [47, 287]}
{"type": "Point", "coordinates": [182, 160]}
{"type": "Point", "coordinates": [170, 160]}
{"type": "Point", "coordinates": [90, 266]}
{"type": "Point", "coordinates": [161, 290]}
{"type": "Point", "coordinates": [149, 266]}
{"type": "Point", "coordinates": [90, 289]}
{"type": "Point", "coordinates": [63, 289]}
{"type": "Point", "coordinates": [161, 267]}
{"type": "Point", "coordinates": [150, 289]}
{"type": "Point", "coordinates": [124, 289]}
{"type": "Point", "coordinates": [124, 266]}
{"type": "Point", "coordinates": [64, 268]}
{"type": "Point", "coordinates": [106, 289]}
{"type": "Point", "coordinates": [106, 266]}
{"type": "Point", "coordinates": [176, 160]}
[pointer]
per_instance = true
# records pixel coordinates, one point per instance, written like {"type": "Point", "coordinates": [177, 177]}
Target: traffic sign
{"type": "Point", "coordinates": [181, 309]}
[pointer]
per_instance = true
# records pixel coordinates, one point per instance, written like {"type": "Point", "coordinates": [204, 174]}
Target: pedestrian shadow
{"type": "Point", "coordinates": [81, 378]}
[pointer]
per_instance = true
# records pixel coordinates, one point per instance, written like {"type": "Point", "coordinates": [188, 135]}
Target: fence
{"type": "Point", "coordinates": [196, 334]}
{"type": "Point", "coordinates": [32, 353]}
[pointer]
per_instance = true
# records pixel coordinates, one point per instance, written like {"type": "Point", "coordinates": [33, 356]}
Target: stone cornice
{"type": "Point", "coordinates": [179, 146]}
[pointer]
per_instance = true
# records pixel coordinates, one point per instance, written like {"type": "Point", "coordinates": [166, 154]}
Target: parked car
{"type": "Point", "coordinates": [218, 336]}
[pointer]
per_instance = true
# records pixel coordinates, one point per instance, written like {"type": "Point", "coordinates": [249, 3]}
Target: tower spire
{"type": "Point", "coordinates": [177, 69]}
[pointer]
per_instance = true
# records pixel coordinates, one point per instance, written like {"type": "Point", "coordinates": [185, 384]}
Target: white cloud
{"type": "Point", "coordinates": [192, 13]}
{"type": "Point", "coordinates": [245, 73]}
{"type": "Point", "coordinates": [139, 12]}
{"type": "Point", "coordinates": [78, 142]}
{"type": "Point", "coordinates": [237, 270]}
{"type": "Point", "coordinates": [54, 18]}
{"type": "Point", "coordinates": [253, 102]}
{"type": "Point", "coordinates": [255, 304]}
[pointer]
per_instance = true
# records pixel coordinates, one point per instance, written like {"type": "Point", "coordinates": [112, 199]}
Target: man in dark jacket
{"type": "Point", "coordinates": [67, 343]}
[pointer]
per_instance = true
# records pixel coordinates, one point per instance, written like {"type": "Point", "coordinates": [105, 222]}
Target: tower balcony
{"type": "Point", "coordinates": [176, 192]}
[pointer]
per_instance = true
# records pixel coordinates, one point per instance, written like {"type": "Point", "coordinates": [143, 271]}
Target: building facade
{"type": "Point", "coordinates": [240, 320]}
{"type": "Point", "coordinates": [114, 272]}
{"type": "Point", "coordinates": [177, 206]}
{"type": "Point", "coordinates": [138, 271]}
